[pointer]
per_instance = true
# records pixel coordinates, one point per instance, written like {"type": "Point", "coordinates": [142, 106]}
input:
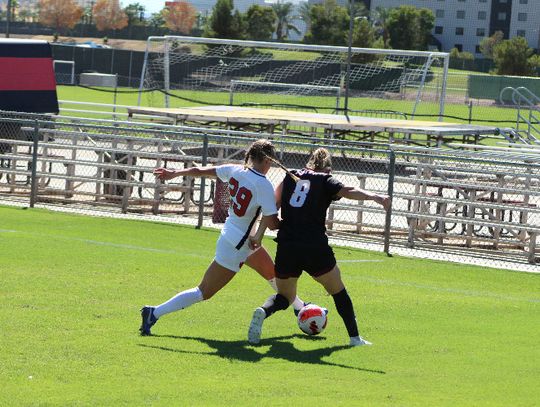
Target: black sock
{"type": "Point", "coordinates": [275, 303]}
{"type": "Point", "coordinates": [346, 312]}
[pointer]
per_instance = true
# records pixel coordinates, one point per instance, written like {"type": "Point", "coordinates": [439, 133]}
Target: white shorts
{"type": "Point", "coordinates": [228, 256]}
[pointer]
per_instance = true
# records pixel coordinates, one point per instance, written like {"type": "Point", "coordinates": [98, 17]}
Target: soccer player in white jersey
{"type": "Point", "coordinates": [251, 194]}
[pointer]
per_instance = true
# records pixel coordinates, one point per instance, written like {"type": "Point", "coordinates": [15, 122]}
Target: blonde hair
{"type": "Point", "coordinates": [320, 160]}
{"type": "Point", "coordinates": [259, 150]}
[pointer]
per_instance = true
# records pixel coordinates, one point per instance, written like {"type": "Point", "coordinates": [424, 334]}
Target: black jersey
{"type": "Point", "coordinates": [304, 205]}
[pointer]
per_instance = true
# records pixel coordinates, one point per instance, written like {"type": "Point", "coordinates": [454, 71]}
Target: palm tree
{"type": "Point", "coordinates": [304, 12]}
{"type": "Point", "coordinates": [380, 18]}
{"type": "Point", "coordinates": [284, 20]}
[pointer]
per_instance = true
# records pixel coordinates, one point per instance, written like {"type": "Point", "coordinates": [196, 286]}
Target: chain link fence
{"type": "Point", "coordinates": [479, 207]}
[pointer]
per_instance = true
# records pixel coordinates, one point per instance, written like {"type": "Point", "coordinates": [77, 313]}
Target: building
{"type": "Point", "coordinates": [462, 24]}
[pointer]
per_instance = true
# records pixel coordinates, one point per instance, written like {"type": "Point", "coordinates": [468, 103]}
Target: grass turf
{"type": "Point", "coordinates": [480, 114]}
{"type": "Point", "coordinates": [444, 334]}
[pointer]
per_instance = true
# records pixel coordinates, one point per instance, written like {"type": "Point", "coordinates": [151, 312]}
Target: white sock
{"type": "Point", "coordinates": [297, 304]}
{"type": "Point", "coordinates": [179, 301]}
{"type": "Point", "coordinates": [272, 283]}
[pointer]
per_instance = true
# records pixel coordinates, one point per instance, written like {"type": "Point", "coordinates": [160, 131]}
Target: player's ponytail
{"type": "Point", "coordinates": [320, 160]}
{"type": "Point", "coordinates": [260, 150]}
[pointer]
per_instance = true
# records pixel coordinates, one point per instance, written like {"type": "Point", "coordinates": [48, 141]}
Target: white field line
{"type": "Point", "coordinates": [405, 252]}
{"type": "Point", "coordinates": [386, 282]}
{"type": "Point", "coordinates": [465, 293]}
{"type": "Point", "coordinates": [109, 244]}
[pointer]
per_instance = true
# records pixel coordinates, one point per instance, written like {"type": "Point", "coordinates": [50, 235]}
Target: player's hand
{"type": "Point", "coordinates": [385, 201]}
{"type": "Point", "coordinates": [164, 173]}
{"type": "Point", "coordinates": [254, 243]}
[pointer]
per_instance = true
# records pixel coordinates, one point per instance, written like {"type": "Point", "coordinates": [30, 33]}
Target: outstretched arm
{"type": "Point", "coordinates": [165, 174]}
{"type": "Point", "coordinates": [363, 195]}
{"type": "Point", "coordinates": [267, 222]}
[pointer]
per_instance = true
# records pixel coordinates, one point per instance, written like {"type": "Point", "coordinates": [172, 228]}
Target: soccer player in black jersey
{"type": "Point", "coordinates": [303, 243]}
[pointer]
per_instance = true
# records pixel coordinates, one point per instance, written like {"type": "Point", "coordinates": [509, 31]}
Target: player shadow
{"type": "Point", "coordinates": [280, 348]}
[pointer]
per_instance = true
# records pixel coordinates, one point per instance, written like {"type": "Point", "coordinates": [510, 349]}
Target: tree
{"type": "Point", "coordinates": [488, 44]}
{"type": "Point", "coordinates": [365, 36]}
{"type": "Point", "coordinates": [223, 24]}
{"type": "Point", "coordinates": [380, 21]}
{"type": "Point", "coordinates": [515, 57]}
{"type": "Point", "coordinates": [180, 16]}
{"type": "Point", "coordinates": [135, 13]}
{"type": "Point", "coordinates": [109, 16]}
{"type": "Point", "coordinates": [260, 22]}
{"type": "Point", "coordinates": [284, 20]}
{"type": "Point", "coordinates": [329, 24]}
{"type": "Point", "coordinates": [156, 20]}
{"type": "Point", "coordinates": [59, 14]}
{"type": "Point", "coordinates": [304, 13]}
{"type": "Point", "coordinates": [410, 27]}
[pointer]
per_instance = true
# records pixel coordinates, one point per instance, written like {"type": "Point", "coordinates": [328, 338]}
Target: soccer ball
{"type": "Point", "coordinates": [312, 319]}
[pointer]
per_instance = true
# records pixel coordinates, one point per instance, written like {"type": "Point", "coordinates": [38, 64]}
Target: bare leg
{"type": "Point", "coordinates": [215, 278]}
{"type": "Point", "coordinates": [262, 263]}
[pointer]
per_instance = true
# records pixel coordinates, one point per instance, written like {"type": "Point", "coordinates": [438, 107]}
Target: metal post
{"type": "Point", "coordinates": [349, 55]}
{"type": "Point", "coordinates": [388, 220]}
{"type": "Point", "coordinates": [8, 17]}
{"type": "Point", "coordinates": [203, 182]}
{"type": "Point", "coordinates": [33, 181]}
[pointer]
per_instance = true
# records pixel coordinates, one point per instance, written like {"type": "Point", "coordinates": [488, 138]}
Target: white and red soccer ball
{"type": "Point", "coordinates": [312, 319]}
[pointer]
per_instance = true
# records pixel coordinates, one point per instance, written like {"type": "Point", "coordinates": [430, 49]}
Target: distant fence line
{"type": "Point", "coordinates": [478, 206]}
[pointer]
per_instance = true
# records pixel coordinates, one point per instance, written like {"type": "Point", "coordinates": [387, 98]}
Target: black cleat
{"type": "Point", "coordinates": [148, 320]}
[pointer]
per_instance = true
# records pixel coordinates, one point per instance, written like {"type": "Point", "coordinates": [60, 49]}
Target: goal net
{"type": "Point", "coordinates": [180, 71]}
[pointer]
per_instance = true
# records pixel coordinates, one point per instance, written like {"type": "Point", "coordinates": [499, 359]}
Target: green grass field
{"type": "Point", "coordinates": [71, 288]}
{"type": "Point", "coordinates": [480, 114]}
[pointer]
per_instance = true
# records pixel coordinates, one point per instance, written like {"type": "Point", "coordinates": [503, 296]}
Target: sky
{"type": "Point", "coordinates": [152, 6]}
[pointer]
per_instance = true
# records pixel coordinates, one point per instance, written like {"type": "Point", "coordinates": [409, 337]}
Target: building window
{"type": "Point", "coordinates": [477, 49]}
{"type": "Point", "coordinates": [439, 13]}
{"type": "Point", "coordinates": [438, 29]}
{"type": "Point", "coordinates": [521, 33]}
{"type": "Point", "coordinates": [522, 16]}
{"type": "Point", "coordinates": [523, 1]}
{"type": "Point", "coordinates": [459, 47]}
{"type": "Point", "coordinates": [460, 14]}
{"type": "Point", "coordinates": [459, 30]}
{"type": "Point", "coordinates": [483, 1]}
{"type": "Point", "coordinates": [461, 1]}
{"type": "Point", "coordinates": [501, 16]}
{"type": "Point", "coordinates": [503, 1]}
{"type": "Point", "coordinates": [480, 32]}
{"type": "Point", "coordinates": [482, 15]}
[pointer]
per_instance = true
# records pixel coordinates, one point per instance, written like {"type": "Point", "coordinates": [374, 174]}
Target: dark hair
{"type": "Point", "coordinates": [259, 150]}
{"type": "Point", "coordinates": [320, 160]}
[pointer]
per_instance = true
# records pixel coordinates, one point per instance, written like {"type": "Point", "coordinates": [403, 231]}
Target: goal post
{"type": "Point", "coordinates": [176, 66]}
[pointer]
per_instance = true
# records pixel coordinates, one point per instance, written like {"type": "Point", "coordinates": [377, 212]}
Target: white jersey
{"type": "Point", "coordinates": [251, 193]}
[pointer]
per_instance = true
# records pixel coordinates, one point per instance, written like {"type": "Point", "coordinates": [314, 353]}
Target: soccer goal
{"type": "Point", "coordinates": [64, 72]}
{"type": "Point", "coordinates": [202, 70]}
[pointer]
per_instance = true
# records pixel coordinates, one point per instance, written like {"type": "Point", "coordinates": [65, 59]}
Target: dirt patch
{"type": "Point", "coordinates": [133, 45]}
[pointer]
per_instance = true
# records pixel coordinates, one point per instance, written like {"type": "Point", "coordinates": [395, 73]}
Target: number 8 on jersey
{"type": "Point", "coordinates": [300, 193]}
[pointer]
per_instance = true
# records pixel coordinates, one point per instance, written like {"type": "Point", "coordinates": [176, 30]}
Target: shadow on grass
{"type": "Point", "coordinates": [279, 349]}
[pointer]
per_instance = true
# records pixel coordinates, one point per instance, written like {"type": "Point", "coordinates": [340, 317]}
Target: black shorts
{"type": "Point", "coordinates": [291, 260]}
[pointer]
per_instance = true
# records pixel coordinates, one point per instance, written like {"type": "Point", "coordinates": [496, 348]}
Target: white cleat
{"type": "Point", "coordinates": [255, 327]}
{"type": "Point", "coordinates": [359, 341]}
